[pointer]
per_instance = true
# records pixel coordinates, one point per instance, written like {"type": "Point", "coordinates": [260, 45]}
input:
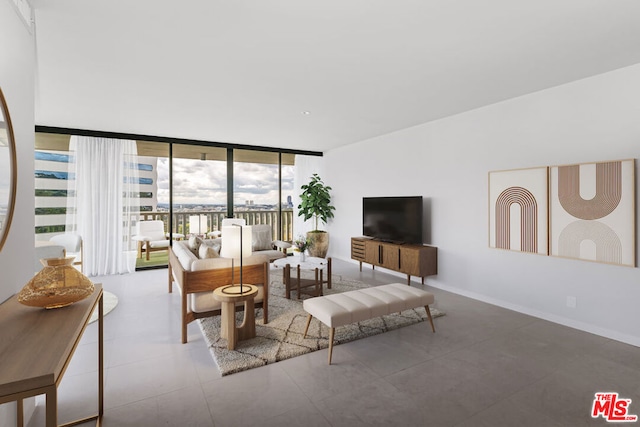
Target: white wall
{"type": "Point", "coordinates": [17, 81]}
{"type": "Point", "coordinates": [448, 161]}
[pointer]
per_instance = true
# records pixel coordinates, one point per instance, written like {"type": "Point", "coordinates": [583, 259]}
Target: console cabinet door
{"type": "Point", "coordinates": [382, 254]}
{"type": "Point", "coordinates": [419, 260]}
{"type": "Point", "coordinates": [410, 261]}
{"type": "Point", "coordinates": [390, 256]}
{"type": "Point", "coordinates": [372, 252]}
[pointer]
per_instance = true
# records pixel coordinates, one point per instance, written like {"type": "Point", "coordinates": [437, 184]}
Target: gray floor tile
{"type": "Point", "coordinates": [250, 396]}
{"type": "Point", "coordinates": [484, 366]}
{"type": "Point", "coordinates": [377, 403]}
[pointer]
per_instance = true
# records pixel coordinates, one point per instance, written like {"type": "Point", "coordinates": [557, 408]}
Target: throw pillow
{"type": "Point", "coordinates": [194, 244]}
{"type": "Point", "coordinates": [261, 238]}
{"type": "Point", "coordinates": [206, 251]}
{"type": "Point", "coordinates": [212, 243]}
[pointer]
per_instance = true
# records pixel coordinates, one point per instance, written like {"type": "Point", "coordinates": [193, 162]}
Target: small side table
{"type": "Point", "coordinates": [229, 296]}
{"type": "Point", "coordinates": [317, 265]}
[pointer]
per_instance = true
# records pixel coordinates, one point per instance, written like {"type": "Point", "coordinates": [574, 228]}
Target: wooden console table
{"type": "Point", "coordinates": [412, 260]}
{"type": "Point", "coordinates": [36, 346]}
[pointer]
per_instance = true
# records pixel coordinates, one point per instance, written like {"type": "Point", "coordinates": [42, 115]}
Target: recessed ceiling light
{"type": "Point", "coordinates": [306, 113]}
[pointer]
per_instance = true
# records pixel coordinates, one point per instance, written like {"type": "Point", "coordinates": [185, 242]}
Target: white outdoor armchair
{"type": "Point", "coordinates": [72, 244]}
{"type": "Point", "coordinates": [151, 237]}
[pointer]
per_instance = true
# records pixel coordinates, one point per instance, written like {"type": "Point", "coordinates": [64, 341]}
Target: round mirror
{"type": "Point", "coordinates": [8, 170]}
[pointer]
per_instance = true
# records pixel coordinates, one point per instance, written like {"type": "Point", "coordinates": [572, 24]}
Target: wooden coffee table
{"type": "Point", "coordinates": [317, 265]}
{"type": "Point", "coordinates": [228, 297]}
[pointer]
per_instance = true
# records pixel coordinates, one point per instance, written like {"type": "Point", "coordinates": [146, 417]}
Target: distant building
{"type": "Point", "coordinates": [51, 177]}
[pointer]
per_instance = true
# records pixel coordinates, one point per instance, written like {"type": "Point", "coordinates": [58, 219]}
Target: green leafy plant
{"type": "Point", "coordinates": [315, 201]}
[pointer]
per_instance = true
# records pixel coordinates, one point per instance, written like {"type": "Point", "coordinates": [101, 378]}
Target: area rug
{"type": "Point", "coordinates": [282, 339]}
{"type": "Point", "coordinates": [110, 301]}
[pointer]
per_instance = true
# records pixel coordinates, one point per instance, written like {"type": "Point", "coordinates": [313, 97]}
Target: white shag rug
{"type": "Point", "coordinates": [281, 338]}
{"type": "Point", "coordinates": [110, 301]}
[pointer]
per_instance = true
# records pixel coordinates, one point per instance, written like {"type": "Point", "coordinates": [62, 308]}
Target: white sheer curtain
{"type": "Point", "coordinates": [106, 197]}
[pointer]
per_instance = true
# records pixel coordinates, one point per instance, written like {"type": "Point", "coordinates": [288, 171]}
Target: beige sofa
{"type": "Point", "coordinates": [196, 267]}
{"type": "Point", "coordinates": [197, 278]}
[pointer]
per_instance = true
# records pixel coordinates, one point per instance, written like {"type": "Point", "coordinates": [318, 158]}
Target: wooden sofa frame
{"type": "Point", "coordinates": [207, 280]}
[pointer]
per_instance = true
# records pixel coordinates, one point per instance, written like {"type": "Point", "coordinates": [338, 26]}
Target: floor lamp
{"type": "Point", "coordinates": [236, 243]}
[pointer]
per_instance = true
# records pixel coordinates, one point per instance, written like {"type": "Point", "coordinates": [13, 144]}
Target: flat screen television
{"type": "Point", "coordinates": [393, 219]}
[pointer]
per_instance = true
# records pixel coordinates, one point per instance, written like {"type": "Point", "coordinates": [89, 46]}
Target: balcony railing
{"type": "Point", "coordinates": [214, 220]}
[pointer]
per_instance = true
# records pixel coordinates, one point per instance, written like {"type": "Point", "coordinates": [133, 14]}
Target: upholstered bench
{"type": "Point", "coordinates": [363, 304]}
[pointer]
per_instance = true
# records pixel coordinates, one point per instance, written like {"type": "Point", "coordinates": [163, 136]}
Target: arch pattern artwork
{"type": "Point", "coordinates": [518, 210]}
{"type": "Point", "coordinates": [528, 219]}
{"type": "Point", "coordinates": [608, 184]}
{"type": "Point", "coordinates": [592, 212]}
{"type": "Point", "coordinates": [582, 211]}
{"type": "Point", "coordinates": [607, 244]}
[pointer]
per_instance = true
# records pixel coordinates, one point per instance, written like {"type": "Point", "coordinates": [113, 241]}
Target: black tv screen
{"type": "Point", "coordinates": [393, 219]}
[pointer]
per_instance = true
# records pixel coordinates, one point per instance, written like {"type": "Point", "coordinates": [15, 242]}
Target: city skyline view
{"type": "Point", "coordinates": [198, 182]}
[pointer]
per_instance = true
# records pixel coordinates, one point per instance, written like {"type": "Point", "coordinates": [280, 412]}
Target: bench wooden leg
{"type": "Point", "coordinates": [307, 328]}
{"type": "Point", "coordinates": [426, 307]}
{"type": "Point", "coordinates": [331, 333]}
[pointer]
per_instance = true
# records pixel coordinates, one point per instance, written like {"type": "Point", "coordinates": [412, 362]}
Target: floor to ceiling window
{"type": "Point", "coordinates": [189, 186]}
{"type": "Point", "coordinates": [259, 188]}
{"type": "Point", "coordinates": [199, 188]}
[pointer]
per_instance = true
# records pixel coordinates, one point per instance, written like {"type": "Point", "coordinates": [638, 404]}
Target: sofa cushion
{"type": "Point", "coordinates": [261, 237]}
{"type": "Point", "coordinates": [159, 244]}
{"type": "Point", "coordinates": [184, 254]}
{"type": "Point", "coordinates": [207, 251]}
{"type": "Point", "coordinates": [216, 244]}
{"type": "Point", "coordinates": [194, 244]}
{"type": "Point", "coordinates": [220, 262]}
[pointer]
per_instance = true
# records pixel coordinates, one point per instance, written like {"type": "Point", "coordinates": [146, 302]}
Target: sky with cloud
{"type": "Point", "coordinates": [205, 182]}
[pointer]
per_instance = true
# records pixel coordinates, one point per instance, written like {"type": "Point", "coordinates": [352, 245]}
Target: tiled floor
{"type": "Point", "coordinates": [485, 366]}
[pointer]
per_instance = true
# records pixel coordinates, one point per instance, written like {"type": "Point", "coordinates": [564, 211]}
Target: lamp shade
{"type": "Point", "coordinates": [231, 242]}
{"type": "Point", "coordinates": [198, 224]}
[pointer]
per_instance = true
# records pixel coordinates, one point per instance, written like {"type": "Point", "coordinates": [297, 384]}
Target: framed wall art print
{"type": "Point", "coordinates": [592, 212]}
{"type": "Point", "coordinates": [518, 212]}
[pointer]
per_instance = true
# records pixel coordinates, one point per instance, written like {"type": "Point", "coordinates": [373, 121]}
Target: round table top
{"type": "Point", "coordinates": [232, 293]}
{"type": "Point", "coordinates": [310, 262]}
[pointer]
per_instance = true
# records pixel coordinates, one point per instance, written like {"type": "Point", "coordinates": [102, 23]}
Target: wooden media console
{"type": "Point", "coordinates": [413, 260]}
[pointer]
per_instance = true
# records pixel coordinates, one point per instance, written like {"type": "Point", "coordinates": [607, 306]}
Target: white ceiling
{"type": "Point", "coordinates": [244, 71]}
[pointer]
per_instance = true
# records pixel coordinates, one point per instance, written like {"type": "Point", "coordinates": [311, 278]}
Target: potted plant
{"type": "Point", "coordinates": [315, 202]}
